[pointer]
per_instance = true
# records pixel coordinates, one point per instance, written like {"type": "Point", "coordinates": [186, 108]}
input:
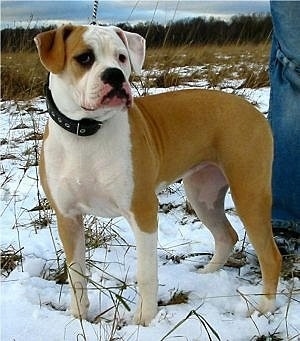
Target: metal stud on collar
{"type": "Point", "coordinates": [80, 131]}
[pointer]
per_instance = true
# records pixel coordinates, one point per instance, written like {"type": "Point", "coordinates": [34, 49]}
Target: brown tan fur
{"type": "Point", "coordinates": [58, 47]}
{"type": "Point", "coordinates": [168, 153]}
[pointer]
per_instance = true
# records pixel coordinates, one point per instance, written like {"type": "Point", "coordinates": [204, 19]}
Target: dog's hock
{"type": "Point", "coordinates": [136, 46]}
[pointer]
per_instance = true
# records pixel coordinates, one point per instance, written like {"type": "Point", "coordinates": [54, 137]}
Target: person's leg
{"type": "Point", "coordinates": [284, 116]}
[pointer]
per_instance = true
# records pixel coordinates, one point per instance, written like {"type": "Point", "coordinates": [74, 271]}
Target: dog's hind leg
{"type": "Point", "coordinates": [206, 188]}
{"type": "Point", "coordinates": [253, 205]}
{"type": "Point", "coordinates": [71, 233]}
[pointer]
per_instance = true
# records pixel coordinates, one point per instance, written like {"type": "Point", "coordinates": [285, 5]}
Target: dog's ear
{"type": "Point", "coordinates": [136, 46]}
{"type": "Point", "coordinates": [51, 47]}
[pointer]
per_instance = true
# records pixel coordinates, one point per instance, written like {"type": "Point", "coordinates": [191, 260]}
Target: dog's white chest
{"type": "Point", "coordinates": [91, 175]}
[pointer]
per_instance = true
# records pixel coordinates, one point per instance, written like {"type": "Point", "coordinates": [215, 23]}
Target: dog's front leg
{"type": "Point", "coordinates": [72, 236]}
{"type": "Point", "coordinates": [146, 248]}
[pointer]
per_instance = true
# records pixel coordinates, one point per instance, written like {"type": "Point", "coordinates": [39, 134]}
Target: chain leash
{"type": "Point", "coordinates": [95, 10]}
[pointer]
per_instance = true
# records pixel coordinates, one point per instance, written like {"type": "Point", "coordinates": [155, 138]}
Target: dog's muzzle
{"type": "Point", "coordinates": [117, 89]}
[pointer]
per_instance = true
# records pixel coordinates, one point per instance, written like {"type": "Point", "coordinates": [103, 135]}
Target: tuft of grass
{"type": "Point", "coordinates": [10, 258]}
{"type": "Point", "coordinates": [270, 337]}
{"type": "Point", "coordinates": [290, 267]}
{"type": "Point", "coordinates": [178, 297]}
{"type": "Point", "coordinates": [167, 79]}
{"type": "Point", "coordinates": [256, 79]}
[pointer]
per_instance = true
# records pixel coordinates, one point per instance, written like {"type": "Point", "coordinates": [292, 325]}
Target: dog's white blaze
{"type": "Point", "coordinates": [107, 46]}
{"type": "Point", "coordinates": [91, 175]}
{"type": "Point", "coordinates": [86, 92]}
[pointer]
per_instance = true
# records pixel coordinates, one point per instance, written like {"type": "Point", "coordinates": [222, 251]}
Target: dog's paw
{"type": "Point", "coordinates": [209, 268]}
{"type": "Point", "coordinates": [266, 305]}
{"type": "Point", "coordinates": [143, 317]}
{"type": "Point", "coordinates": [79, 307]}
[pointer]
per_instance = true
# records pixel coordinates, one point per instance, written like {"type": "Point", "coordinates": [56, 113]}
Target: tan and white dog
{"type": "Point", "coordinates": [107, 155]}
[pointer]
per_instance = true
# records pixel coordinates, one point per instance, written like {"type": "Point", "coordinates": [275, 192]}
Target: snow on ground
{"type": "Point", "coordinates": [35, 308]}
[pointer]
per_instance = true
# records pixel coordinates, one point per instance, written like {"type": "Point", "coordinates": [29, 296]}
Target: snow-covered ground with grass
{"type": "Point", "coordinates": [192, 306]}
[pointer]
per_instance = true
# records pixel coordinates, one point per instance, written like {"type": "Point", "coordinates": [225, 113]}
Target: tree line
{"type": "Point", "coordinates": [239, 29]}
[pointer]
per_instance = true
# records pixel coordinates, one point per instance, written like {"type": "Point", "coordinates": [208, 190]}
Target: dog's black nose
{"type": "Point", "coordinates": [113, 77]}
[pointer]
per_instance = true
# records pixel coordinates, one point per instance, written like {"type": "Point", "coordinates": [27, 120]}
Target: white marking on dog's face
{"type": "Point", "coordinates": [90, 67]}
{"type": "Point", "coordinates": [101, 52]}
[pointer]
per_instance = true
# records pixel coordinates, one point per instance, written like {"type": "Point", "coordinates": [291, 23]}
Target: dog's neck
{"type": "Point", "coordinates": [82, 127]}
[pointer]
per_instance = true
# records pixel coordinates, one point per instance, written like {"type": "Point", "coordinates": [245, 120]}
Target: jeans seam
{"type": "Point", "coordinates": [286, 61]}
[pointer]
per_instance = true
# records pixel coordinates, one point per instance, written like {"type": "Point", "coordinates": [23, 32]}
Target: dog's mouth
{"type": "Point", "coordinates": [112, 97]}
{"type": "Point", "coordinates": [117, 97]}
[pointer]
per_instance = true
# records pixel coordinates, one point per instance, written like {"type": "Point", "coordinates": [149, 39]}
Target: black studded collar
{"type": "Point", "coordinates": [83, 127]}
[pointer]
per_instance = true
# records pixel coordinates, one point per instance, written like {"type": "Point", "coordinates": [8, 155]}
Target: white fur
{"type": "Point", "coordinates": [147, 278]}
{"type": "Point", "coordinates": [78, 280]}
{"type": "Point", "coordinates": [108, 46]}
{"type": "Point", "coordinates": [91, 175]}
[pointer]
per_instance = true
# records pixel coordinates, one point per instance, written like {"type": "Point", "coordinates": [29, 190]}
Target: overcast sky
{"type": "Point", "coordinates": [16, 13]}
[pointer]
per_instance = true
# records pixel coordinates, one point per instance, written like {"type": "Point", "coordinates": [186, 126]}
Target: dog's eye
{"type": "Point", "coordinates": [86, 59]}
{"type": "Point", "coordinates": [122, 58]}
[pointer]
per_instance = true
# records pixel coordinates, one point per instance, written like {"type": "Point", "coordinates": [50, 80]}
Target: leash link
{"type": "Point", "coordinates": [95, 10]}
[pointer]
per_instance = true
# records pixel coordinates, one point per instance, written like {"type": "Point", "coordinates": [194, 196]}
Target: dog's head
{"type": "Point", "coordinates": [93, 63]}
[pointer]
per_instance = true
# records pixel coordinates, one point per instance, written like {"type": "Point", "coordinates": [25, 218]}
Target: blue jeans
{"type": "Point", "coordinates": [284, 113]}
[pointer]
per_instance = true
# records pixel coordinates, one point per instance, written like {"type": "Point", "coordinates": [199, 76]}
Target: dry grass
{"type": "Point", "coordinates": [9, 260]}
{"type": "Point", "coordinates": [207, 54]}
{"type": "Point", "coordinates": [22, 75]}
{"type": "Point", "coordinates": [215, 65]}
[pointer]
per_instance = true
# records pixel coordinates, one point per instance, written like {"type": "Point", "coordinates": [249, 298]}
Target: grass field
{"type": "Point", "coordinates": [22, 75]}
